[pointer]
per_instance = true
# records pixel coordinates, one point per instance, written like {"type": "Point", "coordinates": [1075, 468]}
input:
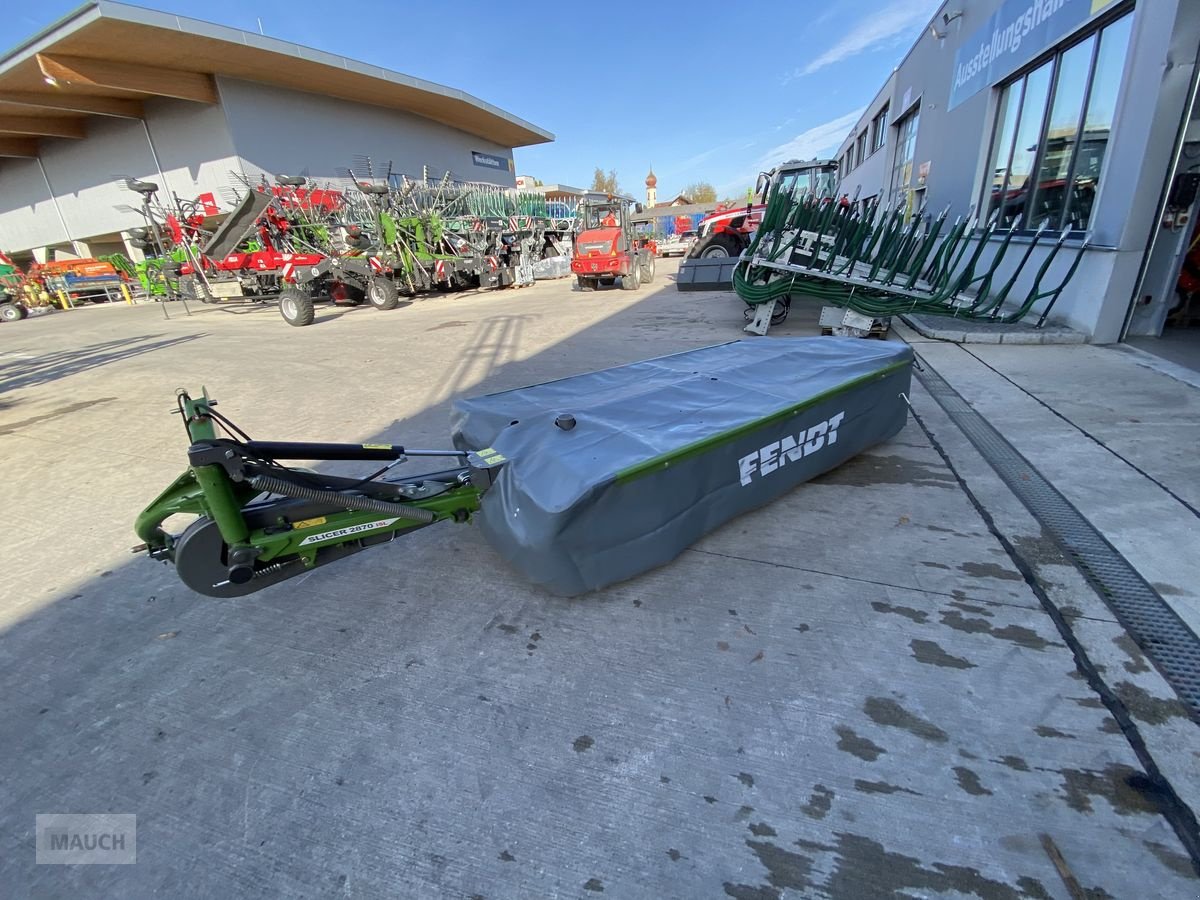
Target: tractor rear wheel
{"type": "Point", "coordinates": [383, 294]}
{"type": "Point", "coordinates": [10, 312]}
{"type": "Point", "coordinates": [717, 244]}
{"type": "Point", "coordinates": [296, 307]}
{"type": "Point", "coordinates": [633, 280]}
{"type": "Point", "coordinates": [648, 270]}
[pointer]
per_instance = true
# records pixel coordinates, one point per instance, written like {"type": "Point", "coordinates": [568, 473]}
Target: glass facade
{"type": "Point", "coordinates": [1051, 133]}
{"type": "Point", "coordinates": [879, 130]}
{"type": "Point", "coordinates": [906, 144]}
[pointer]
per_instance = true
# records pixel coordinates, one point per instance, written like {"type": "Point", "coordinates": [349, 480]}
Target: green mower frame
{"type": "Point", "coordinates": [259, 522]}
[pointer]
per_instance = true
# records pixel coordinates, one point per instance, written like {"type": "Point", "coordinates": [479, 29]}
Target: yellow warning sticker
{"type": "Point", "coordinates": [377, 446]}
{"type": "Point", "coordinates": [309, 523]}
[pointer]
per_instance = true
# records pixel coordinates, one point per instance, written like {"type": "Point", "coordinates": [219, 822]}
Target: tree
{"type": "Point", "coordinates": [606, 184]}
{"type": "Point", "coordinates": [700, 192]}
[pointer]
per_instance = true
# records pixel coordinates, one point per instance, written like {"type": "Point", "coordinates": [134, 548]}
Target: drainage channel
{"type": "Point", "coordinates": [1156, 628]}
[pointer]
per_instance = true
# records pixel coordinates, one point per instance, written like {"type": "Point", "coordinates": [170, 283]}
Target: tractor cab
{"type": "Point", "coordinates": [597, 215]}
{"type": "Point", "coordinates": [796, 178]}
{"type": "Point", "coordinates": [728, 231]}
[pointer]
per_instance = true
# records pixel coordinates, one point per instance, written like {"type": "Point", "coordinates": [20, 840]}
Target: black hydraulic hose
{"type": "Point", "coordinates": [271, 485]}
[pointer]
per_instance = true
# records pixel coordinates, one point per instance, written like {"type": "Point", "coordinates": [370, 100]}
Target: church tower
{"type": "Point", "coordinates": [651, 188]}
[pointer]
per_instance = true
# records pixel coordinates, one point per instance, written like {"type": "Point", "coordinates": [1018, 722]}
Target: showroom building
{"type": "Point", "coordinates": [1072, 116]}
{"type": "Point", "coordinates": [114, 91]}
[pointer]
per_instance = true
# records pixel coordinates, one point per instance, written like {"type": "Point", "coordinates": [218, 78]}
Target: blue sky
{"type": "Point", "coordinates": [703, 90]}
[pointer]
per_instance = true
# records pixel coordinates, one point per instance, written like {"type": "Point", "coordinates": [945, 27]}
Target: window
{"type": "Point", "coordinates": [850, 158]}
{"type": "Point", "coordinates": [862, 147]}
{"type": "Point", "coordinates": [906, 143]}
{"type": "Point", "coordinates": [879, 130]}
{"type": "Point", "coordinates": [1051, 134]}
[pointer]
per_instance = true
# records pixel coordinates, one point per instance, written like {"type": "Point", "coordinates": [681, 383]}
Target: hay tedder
{"type": "Point", "coordinates": [578, 483]}
{"type": "Point", "coordinates": [370, 239]}
{"type": "Point", "coordinates": [275, 243]}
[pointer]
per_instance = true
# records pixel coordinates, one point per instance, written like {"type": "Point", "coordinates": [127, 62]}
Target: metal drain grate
{"type": "Point", "coordinates": [1162, 635]}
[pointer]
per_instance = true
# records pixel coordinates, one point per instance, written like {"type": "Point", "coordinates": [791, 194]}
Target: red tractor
{"type": "Point", "coordinates": [607, 247]}
{"type": "Point", "coordinates": [727, 230]}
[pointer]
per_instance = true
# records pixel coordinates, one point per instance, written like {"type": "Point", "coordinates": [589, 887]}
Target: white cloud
{"type": "Point", "coordinates": [819, 140]}
{"type": "Point", "coordinates": [899, 19]}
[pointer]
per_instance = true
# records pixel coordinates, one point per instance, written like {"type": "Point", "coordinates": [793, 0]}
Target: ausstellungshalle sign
{"type": "Point", "coordinates": [1013, 34]}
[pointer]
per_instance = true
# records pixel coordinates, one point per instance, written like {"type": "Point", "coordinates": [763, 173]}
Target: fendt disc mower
{"type": "Point", "coordinates": [579, 483]}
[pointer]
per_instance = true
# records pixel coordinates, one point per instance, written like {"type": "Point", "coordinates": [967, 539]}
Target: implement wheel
{"type": "Point", "coordinates": [296, 307]}
{"type": "Point", "coordinates": [382, 293]}
{"type": "Point", "coordinates": [11, 312]}
{"type": "Point", "coordinates": [585, 284]}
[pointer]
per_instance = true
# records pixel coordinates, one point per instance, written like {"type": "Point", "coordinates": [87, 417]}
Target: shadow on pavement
{"type": "Point", "coordinates": [18, 373]}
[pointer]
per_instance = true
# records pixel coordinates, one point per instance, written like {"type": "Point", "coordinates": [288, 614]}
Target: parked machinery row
{"type": "Point", "coordinates": [373, 239]}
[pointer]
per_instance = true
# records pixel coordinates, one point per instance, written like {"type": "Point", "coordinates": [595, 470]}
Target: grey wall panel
{"type": "Point", "coordinates": [27, 217]}
{"type": "Point", "coordinates": [193, 146]}
{"type": "Point", "coordinates": [870, 177]}
{"type": "Point", "coordinates": [278, 130]}
{"type": "Point", "coordinates": [1081, 305]}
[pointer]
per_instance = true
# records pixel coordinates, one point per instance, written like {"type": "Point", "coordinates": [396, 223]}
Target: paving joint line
{"type": "Point", "coordinates": [1155, 626]}
{"type": "Point", "coordinates": [899, 587]}
{"type": "Point", "coordinates": [1170, 493]}
{"type": "Point", "coordinates": [1157, 788]}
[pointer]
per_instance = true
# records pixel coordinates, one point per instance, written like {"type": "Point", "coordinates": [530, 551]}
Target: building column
{"type": "Point", "coordinates": [131, 251]}
{"type": "Point", "coordinates": [41, 255]}
{"type": "Point", "coordinates": [78, 250]}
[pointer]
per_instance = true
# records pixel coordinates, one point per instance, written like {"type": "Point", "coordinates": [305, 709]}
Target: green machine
{"type": "Point", "coordinates": [261, 521]}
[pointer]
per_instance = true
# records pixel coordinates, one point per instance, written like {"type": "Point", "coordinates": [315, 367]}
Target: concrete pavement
{"type": "Point", "coordinates": [852, 692]}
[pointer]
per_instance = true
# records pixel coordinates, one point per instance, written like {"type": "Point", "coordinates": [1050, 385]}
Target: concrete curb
{"type": "Point", "coordinates": [971, 331]}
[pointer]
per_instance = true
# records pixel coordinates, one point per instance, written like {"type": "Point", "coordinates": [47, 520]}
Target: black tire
{"type": "Point", "coordinates": [382, 293]}
{"type": "Point", "coordinates": [11, 312]}
{"type": "Point", "coordinates": [632, 281]}
{"type": "Point", "coordinates": [296, 307]}
{"type": "Point", "coordinates": [585, 284]}
{"type": "Point", "coordinates": [719, 244]}
{"type": "Point", "coordinates": [648, 269]}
